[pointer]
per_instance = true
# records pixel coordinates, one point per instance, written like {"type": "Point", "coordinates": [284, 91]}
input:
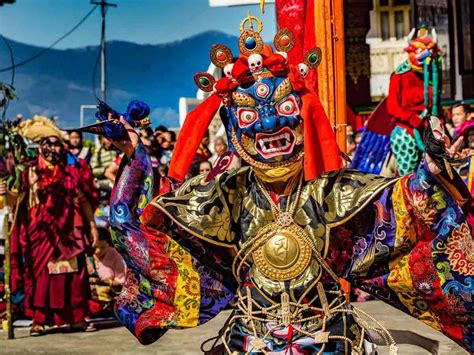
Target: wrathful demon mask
{"type": "Point", "coordinates": [264, 121]}
{"type": "Point", "coordinates": [272, 117]}
{"type": "Point", "coordinates": [421, 47]}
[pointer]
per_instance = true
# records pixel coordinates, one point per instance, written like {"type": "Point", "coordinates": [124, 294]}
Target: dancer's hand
{"type": "Point", "coordinates": [439, 149]}
{"type": "Point", "coordinates": [128, 145]}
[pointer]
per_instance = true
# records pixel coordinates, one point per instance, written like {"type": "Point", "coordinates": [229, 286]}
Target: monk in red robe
{"type": "Point", "coordinates": [52, 232]}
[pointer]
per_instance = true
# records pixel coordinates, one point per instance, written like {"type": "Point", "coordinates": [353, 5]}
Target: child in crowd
{"type": "Point", "coordinates": [106, 275]}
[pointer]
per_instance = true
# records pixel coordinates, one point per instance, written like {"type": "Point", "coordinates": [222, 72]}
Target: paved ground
{"type": "Point", "coordinates": [119, 341]}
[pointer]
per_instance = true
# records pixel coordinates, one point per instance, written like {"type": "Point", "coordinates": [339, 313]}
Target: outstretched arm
{"type": "Point", "coordinates": [166, 285]}
{"type": "Point", "coordinates": [418, 255]}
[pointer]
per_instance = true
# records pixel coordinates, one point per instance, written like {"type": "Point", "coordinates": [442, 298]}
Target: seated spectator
{"type": "Point", "coordinates": [167, 141]}
{"type": "Point", "coordinates": [470, 116]}
{"type": "Point", "coordinates": [349, 130]}
{"type": "Point", "coordinates": [220, 149]}
{"type": "Point", "coordinates": [351, 145]}
{"type": "Point", "coordinates": [204, 167]}
{"type": "Point", "coordinates": [459, 113]}
{"type": "Point", "coordinates": [159, 132]}
{"type": "Point", "coordinates": [203, 152]}
{"type": "Point", "coordinates": [152, 147]}
{"type": "Point", "coordinates": [161, 183]}
{"type": "Point", "coordinates": [106, 275]}
{"type": "Point", "coordinates": [112, 170]}
{"type": "Point", "coordinates": [76, 147]}
{"type": "Point", "coordinates": [100, 161]}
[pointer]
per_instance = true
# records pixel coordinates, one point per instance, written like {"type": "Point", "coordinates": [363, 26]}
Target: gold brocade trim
{"type": "Point", "coordinates": [453, 190]}
{"type": "Point", "coordinates": [242, 99]}
{"type": "Point", "coordinates": [197, 235]}
{"type": "Point", "coordinates": [283, 90]}
{"type": "Point", "coordinates": [188, 286]}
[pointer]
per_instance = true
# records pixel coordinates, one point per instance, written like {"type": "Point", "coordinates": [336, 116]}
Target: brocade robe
{"type": "Point", "coordinates": [404, 240]}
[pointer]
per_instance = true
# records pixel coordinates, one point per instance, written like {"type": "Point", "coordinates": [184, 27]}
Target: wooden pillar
{"type": "Point", "coordinates": [329, 31]}
{"type": "Point", "coordinates": [357, 25]}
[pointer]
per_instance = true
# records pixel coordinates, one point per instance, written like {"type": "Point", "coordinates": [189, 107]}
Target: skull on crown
{"type": "Point", "coordinates": [256, 63]}
{"type": "Point", "coordinates": [228, 70]}
{"type": "Point", "coordinates": [303, 69]}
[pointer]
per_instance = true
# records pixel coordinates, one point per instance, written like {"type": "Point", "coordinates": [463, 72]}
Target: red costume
{"type": "Point", "coordinates": [405, 101]}
{"type": "Point", "coordinates": [410, 93]}
{"type": "Point", "coordinates": [50, 241]}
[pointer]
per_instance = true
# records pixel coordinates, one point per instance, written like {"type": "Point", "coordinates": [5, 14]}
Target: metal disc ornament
{"type": "Point", "coordinates": [204, 81]}
{"type": "Point", "coordinates": [250, 42]}
{"type": "Point", "coordinates": [284, 40]}
{"type": "Point", "coordinates": [221, 55]}
{"type": "Point", "coordinates": [313, 57]}
{"type": "Point", "coordinates": [285, 253]}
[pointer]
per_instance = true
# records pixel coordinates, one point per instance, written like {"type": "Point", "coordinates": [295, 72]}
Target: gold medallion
{"type": "Point", "coordinates": [285, 253]}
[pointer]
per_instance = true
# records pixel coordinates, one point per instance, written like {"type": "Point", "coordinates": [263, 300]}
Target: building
{"type": "Point", "coordinates": [390, 22]}
{"type": "Point", "coordinates": [375, 32]}
{"type": "Point", "coordinates": [375, 35]}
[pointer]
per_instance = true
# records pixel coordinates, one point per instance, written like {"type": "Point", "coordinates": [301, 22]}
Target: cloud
{"type": "Point", "coordinates": [166, 116]}
{"type": "Point", "coordinates": [34, 109]}
{"type": "Point", "coordinates": [74, 86]}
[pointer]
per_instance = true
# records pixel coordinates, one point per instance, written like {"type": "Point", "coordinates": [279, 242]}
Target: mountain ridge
{"type": "Point", "coordinates": [59, 81]}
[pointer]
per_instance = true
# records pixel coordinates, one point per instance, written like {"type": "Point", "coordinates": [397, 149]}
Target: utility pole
{"type": "Point", "coordinates": [103, 81]}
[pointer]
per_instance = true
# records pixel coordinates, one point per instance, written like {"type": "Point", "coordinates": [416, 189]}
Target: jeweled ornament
{"type": "Point", "coordinates": [221, 56]}
{"type": "Point", "coordinates": [204, 81]}
{"type": "Point", "coordinates": [284, 41]}
{"type": "Point", "coordinates": [313, 57]}
{"type": "Point", "coordinates": [250, 43]}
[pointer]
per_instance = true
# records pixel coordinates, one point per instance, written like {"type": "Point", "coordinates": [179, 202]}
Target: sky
{"type": "Point", "coordinates": [41, 22]}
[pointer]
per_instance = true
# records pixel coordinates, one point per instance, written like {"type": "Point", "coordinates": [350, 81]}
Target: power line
{"type": "Point", "coordinates": [103, 82]}
{"type": "Point", "coordinates": [44, 50]}
{"type": "Point", "coordinates": [94, 71]}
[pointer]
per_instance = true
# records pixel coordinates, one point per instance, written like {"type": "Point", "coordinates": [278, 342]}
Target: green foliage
{"type": "Point", "coordinates": [13, 146]}
{"type": "Point", "coordinates": [89, 144]}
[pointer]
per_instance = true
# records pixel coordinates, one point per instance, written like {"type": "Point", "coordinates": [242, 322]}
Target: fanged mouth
{"type": "Point", "coordinates": [275, 144]}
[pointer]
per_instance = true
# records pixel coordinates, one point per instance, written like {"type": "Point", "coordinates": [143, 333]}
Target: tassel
{"type": "Point", "coordinates": [318, 133]}
{"type": "Point", "coordinates": [194, 128]}
{"type": "Point", "coordinates": [289, 337]}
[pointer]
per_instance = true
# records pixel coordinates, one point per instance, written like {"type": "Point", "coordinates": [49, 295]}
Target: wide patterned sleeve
{"type": "Point", "coordinates": [173, 280]}
{"type": "Point", "coordinates": [413, 249]}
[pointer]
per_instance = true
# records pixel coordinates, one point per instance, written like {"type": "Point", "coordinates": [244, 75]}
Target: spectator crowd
{"type": "Point", "coordinates": [68, 185]}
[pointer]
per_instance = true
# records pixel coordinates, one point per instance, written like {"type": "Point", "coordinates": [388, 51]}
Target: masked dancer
{"type": "Point", "coordinates": [277, 237]}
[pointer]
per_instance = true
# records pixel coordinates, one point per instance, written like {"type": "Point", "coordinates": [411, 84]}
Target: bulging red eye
{"type": "Point", "coordinates": [246, 117]}
{"type": "Point", "coordinates": [288, 107]}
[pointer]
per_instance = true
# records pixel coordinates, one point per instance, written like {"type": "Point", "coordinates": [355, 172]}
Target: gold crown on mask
{"type": "Point", "coordinates": [256, 60]}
